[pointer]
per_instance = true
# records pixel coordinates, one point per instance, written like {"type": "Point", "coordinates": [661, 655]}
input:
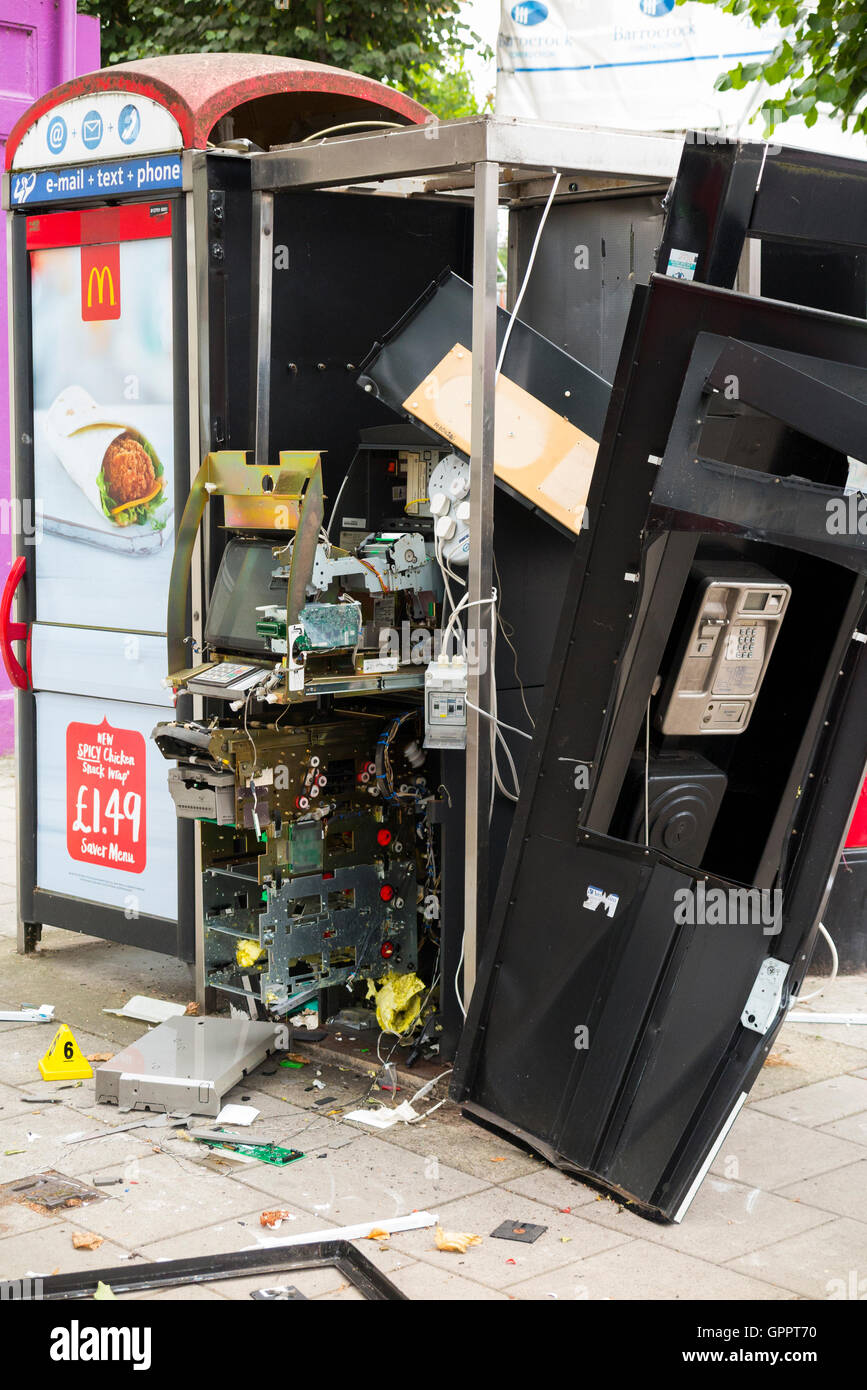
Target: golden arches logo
{"type": "Point", "coordinates": [100, 273]}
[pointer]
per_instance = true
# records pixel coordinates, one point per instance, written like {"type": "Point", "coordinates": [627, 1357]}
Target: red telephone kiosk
{"type": "Point", "coordinates": [131, 229]}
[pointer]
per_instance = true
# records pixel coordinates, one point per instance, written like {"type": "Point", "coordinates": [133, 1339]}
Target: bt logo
{"type": "Point", "coordinates": [531, 12]}
{"type": "Point", "coordinates": [656, 8]}
{"type": "Point", "coordinates": [22, 186]}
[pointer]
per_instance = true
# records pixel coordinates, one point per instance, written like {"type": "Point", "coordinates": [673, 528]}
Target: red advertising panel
{"type": "Point", "coordinates": [106, 796]}
{"type": "Point", "coordinates": [857, 837]}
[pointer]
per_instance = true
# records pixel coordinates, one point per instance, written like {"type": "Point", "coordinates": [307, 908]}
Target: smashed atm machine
{"type": "Point", "coordinates": [357, 690]}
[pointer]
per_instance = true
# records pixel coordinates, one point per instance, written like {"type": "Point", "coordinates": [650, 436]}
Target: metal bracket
{"type": "Point", "coordinates": [763, 1003]}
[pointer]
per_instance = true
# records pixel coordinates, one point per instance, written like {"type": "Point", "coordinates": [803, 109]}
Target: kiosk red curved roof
{"type": "Point", "coordinates": [200, 88]}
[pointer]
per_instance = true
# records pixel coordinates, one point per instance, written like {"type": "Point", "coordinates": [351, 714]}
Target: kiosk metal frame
{"type": "Point", "coordinates": [486, 161]}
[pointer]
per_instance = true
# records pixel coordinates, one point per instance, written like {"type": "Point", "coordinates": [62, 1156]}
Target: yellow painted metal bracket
{"type": "Point", "coordinates": [257, 497]}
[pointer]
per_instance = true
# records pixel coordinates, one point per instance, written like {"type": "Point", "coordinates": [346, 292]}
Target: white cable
{"type": "Point", "coordinates": [835, 962]}
{"type": "Point", "coordinates": [429, 1085]}
{"type": "Point", "coordinates": [501, 723]}
{"type": "Point", "coordinates": [334, 508]}
{"type": "Point", "coordinates": [447, 596]}
{"type": "Point", "coordinates": [462, 607]}
{"type": "Point", "coordinates": [457, 973]}
{"type": "Point", "coordinates": [544, 218]}
{"type": "Point", "coordinates": [513, 796]}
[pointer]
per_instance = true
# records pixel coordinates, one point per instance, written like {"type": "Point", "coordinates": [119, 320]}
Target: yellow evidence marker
{"type": "Point", "coordinates": [64, 1060]}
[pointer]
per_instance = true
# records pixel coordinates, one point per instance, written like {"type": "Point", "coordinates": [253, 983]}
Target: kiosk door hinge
{"type": "Point", "coordinates": [763, 1003]}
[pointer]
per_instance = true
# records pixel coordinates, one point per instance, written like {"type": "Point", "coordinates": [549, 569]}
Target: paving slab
{"type": "Point", "coordinates": [823, 1263]}
{"type": "Point", "coordinates": [166, 1195]}
{"type": "Point", "coordinates": [497, 1263]}
{"type": "Point", "coordinates": [853, 1128]}
{"type": "Point", "coordinates": [799, 1058]}
{"type": "Point", "coordinates": [843, 1191]}
{"type": "Point", "coordinates": [367, 1180]}
{"type": "Point", "coordinates": [16, 1218]}
{"type": "Point", "coordinates": [554, 1189]}
{"type": "Point", "coordinates": [725, 1219]}
{"type": "Point", "coordinates": [49, 1249]}
{"type": "Point", "coordinates": [644, 1271]}
{"type": "Point", "coordinates": [846, 994]}
{"type": "Point", "coordinates": [820, 1103]}
{"type": "Point", "coordinates": [426, 1283]}
{"type": "Point", "coordinates": [39, 1139]}
{"type": "Point", "coordinates": [11, 1102]}
{"type": "Point", "coordinates": [764, 1151]}
{"type": "Point", "coordinates": [463, 1145]}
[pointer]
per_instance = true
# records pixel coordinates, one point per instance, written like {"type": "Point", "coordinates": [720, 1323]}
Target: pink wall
{"type": "Point", "coordinates": [42, 43]}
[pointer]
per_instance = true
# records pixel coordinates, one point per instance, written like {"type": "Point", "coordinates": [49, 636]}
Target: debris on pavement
{"type": "Point", "coordinates": [28, 1014]}
{"type": "Point", "coordinates": [103, 1291]}
{"type": "Point", "coordinates": [48, 1190]}
{"type": "Point", "coordinates": [86, 1240]}
{"type": "Point", "coordinates": [415, 1221]}
{"type": "Point", "coordinates": [265, 1152]}
{"type": "Point", "coordinates": [383, 1117]}
{"type": "Point", "coordinates": [144, 1121]}
{"type": "Point", "coordinates": [273, 1219]}
{"type": "Point", "coordinates": [284, 1294]}
{"type": "Point", "coordinates": [524, 1231]}
{"type": "Point", "coordinates": [144, 1009]}
{"type": "Point", "coordinates": [237, 1115]}
{"type": "Point", "coordinates": [458, 1242]}
{"type": "Point", "coordinates": [189, 1063]}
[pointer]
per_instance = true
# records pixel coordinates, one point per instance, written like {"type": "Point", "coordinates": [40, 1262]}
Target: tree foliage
{"type": "Point", "coordinates": [416, 46]}
{"type": "Point", "coordinates": [821, 61]}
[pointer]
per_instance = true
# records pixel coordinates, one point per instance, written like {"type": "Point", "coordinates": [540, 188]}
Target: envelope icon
{"type": "Point", "coordinates": [91, 129]}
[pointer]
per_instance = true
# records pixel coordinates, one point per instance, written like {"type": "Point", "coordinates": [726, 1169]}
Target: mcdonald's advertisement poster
{"type": "Point", "coordinates": [101, 305]}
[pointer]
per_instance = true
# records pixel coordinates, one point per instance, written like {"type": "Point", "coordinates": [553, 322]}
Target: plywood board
{"type": "Point", "coordinates": [537, 452]}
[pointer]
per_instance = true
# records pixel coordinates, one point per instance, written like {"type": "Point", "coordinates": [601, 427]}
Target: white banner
{"type": "Point", "coordinates": [628, 64]}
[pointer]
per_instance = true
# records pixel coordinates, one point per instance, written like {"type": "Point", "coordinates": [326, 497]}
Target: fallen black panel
{"type": "Point", "coordinates": [206, 1269]}
{"type": "Point", "coordinates": [443, 317]}
{"type": "Point", "coordinates": [607, 1029]}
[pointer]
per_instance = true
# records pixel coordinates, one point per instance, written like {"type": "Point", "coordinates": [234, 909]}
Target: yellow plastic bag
{"type": "Point", "coordinates": [247, 953]}
{"type": "Point", "coordinates": [398, 1001]}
